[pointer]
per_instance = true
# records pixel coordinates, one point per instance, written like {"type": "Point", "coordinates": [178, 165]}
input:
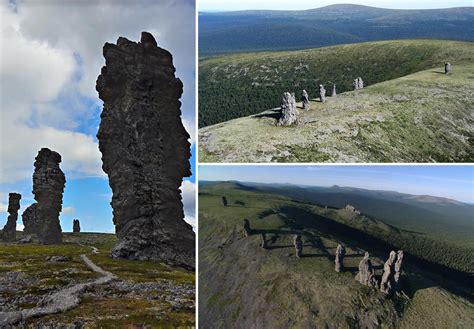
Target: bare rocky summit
{"type": "Point", "coordinates": [42, 217]}
{"type": "Point", "coordinates": [145, 151]}
{"type": "Point", "coordinates": [9, 230]}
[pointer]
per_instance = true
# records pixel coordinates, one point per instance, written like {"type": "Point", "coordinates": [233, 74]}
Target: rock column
{"type": "Point", "coordinates": [386, 284]}
{"type": "Point", "coordinates": [76, 226]}
{"type": "Point", "coordinates": [339, 262]}
{"type": "Point", "coordinates": [298, 242]}
{"type": "Point", "coordinates": [366, 274]}
{"type": "Point", "coordinates": [247, 229]}
{"type": "Point", "coordinates": [289, 114]}
{"type": "Point", "coordinates": [398, 268]}
{"type": "Point", "coordinates": [264, 241]}
{"type": "Point", "coordinates": [447, 67]}
{"type": "Point", "coordinates": [333, 91]}
{"type": "Point", "coordinates": [322, 94]}
{"type": "Point", "coordinates": [145, 151]}
{"type": "Point", "coordinates": [9, 230]}
{"type": "Point", "coordinates": [305, 100]}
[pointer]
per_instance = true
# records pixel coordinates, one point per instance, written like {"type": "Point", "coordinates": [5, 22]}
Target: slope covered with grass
{"type": "Point", "coordinates": [234, 86]}
{"type": "Point", "coordinates": [243, 285]}
{"type": "Point", "coordinates": [422, 117]}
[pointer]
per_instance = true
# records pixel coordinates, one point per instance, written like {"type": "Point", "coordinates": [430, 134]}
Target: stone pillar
{"type": "Point", "coordinates": [322, 94]}
{"type": "Point", "coordinates": [398, 268]}
{"type": "Point", "coordinates": [289, 114]}
{"type": "Point", "coordinates": [355, 84]}
{"type": "Point", "coordinates": [76, 226]}
{"type": "Point", "coordinates": [447, 67]}
{"type": "Point", "coordinates": [264, 241]}
{"type": "Point", "coordinates": [305, 100]}
{"type": "Point", "coordinates": [366, 274]}
{"type": "Point", "coordinates": [9, 230]}
{"type": "Point", "coordinates": [298, 242]}
{"type": "Point", "coordinates": [339, 262]}
{"type": "Point", "coordinates": [247, 229]}
{"type": "Point", "coordinates": [386, 284]}
{"type": "Point", "coordinates": [360, 83]}
{"type": "Point", "coordinates": [145, 151]}
{"type": "Point", "coordinates": [333, 90]}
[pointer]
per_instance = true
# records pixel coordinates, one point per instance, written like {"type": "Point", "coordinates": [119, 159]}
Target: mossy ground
{"type": "Point", "coordinates": [95, 312]}
{"type": "Point", "coordinates": [421, 117]}
{"type": "Point", "coordinates": [242, 283]}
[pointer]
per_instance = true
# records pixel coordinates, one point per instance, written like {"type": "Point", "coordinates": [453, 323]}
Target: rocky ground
{"type": "Point", "coordinates": [77, 285]}
{"type": "Point", "coordinates": [422, 117]}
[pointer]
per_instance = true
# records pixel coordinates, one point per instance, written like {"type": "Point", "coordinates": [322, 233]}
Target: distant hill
{"type": "Point", "coordinates": [258, 30]}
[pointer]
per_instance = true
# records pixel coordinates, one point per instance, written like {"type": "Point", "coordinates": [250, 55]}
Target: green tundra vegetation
{"type": "Point", "coordinates": [233, 86]}
{"type": "Point", "coordinates": [241, 283]}
{"type": "Point", "coordinates": [98, 308]}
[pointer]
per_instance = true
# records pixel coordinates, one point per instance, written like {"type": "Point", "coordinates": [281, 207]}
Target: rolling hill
{"type": "Point", "coordinates": [261, 30]}
{"type": "Point", "coordinates": [243, 285]}
{"type": "Point", "coordinates": [420, 117]}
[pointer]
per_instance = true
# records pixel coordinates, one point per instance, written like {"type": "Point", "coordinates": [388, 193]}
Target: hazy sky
{"type": "Point", "coordinates": [50, 57]}
{"type": "Point", "coordinates": [454, 182]}
{"type": "Point", "coordinates": [219, 5]}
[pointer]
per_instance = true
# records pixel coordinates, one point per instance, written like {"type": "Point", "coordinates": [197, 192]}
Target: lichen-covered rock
{"type": "Point", "coordinates": [322, 94]}
{"type": "Point", "coordinates": [305, 100]}
{"type": "Point", "coordinates": [366, 274]}
{"type": "Point", "coordinates": [398, 268]}
{"type": "Point", "coordinates": [298, 242]}
{"type": "Point", "coordinates": [289, 113]}
{"type": "Point", "coordinates": [447, 67]}
{"type": "Point", "coordinates": [339, 261]}
{"type": "Point", "coordinates": [333, 90]}
{"type": "Point", "coordinates": [247, 229]}
{"type": "Point", "coordinates": [145, 151]}
{"type": "Point", "coordinates": [76, 226]}
{"type": "Point", "coordinates": [387, 282]}
{"type": "Point", "coordinates": [9, 230]}
{"type": "Point", "coordinates": [42, 217]}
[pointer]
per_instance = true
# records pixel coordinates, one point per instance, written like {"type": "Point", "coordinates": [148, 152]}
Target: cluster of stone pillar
{"type": "Point", "coordinates": [358, 83]}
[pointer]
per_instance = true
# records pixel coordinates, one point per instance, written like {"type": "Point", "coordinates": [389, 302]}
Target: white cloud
{"type": "Point", "coordinates": [3, 208]}
{"type": "Point", "coordinates": [188, 190]}
{"type": "Point", "coordinates": [68, 211]}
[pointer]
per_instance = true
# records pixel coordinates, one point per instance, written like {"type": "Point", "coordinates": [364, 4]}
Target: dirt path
{"type": "Point", "coordinates": [60, 301]}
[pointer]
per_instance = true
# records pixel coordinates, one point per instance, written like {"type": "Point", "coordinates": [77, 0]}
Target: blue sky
{"type": "Point", "coordinates": [48, 97]}
{"type": "Point", "coordinates": [219, 5]}
{"type": "Point", "coordinates": [450, 181]}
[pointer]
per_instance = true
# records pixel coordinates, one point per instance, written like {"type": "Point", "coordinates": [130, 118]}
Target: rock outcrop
{"type": "Point", "coordinates": [366, 274]}
{"type": "Point", "coordinates": [398, 268]}
{"type": "Point", "coordinates": [289, 113]}
{"type": "Point", "coordinates": [42, 217]}
{"type": "Point", "coordinates": [322, 94]}
{"type": "Point", "coordinates": [387, 282]}
{"type": "Point", "coordinates": [447, 67]}
{"type": "Point", "coordinates": [145, 151]}
{"type": "Point", "coordinates": [352, 209]}
{"type": "Point", "coordinates": [333, 90]}
{"type": "Point", "coordinates": [247, 229]}
{"type": "Point", "coordinates": [9, 230]}
{"type": "Point", "coordinates": [305, 100]}
{"type": "Point", "coordinates": [76, 226]}
{"type": "Point", "coordinates": [339, 262]}
{"type": "Point", "coordinates": [298, 242]}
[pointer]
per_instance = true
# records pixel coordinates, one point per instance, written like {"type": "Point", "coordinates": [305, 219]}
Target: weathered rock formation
{"type": "Point", "coordinates": [358, 83]}
{"type": "Point", "coordinates": [264, 241]}
{"type": "Point", "coordinates": [298, 245]}
{"type": "Point", "coordinates": [366, 274]}
{"type": "Point", "coordinates": [42, 217]}
{"type": "Point", "coordinates": [9, 230]}
{"type": "Point", "coordinates": [224, 201]}
{"type": "Point", "coordinates": [289, 113]}
{"type": "Point", "coordinates": [76, 226]}
{"type": "Point", "coordinates": [352, 209]}
{"type": "Point", "coordinates": [447, 67]}
{"type": "Point", "coordinates": [145, 151]}
{"type": "Point", "coordinates": [339, 262]}
{"type": "Point", "coordinates": [398, 268]}
{"type": "Point", "coordinates": [333, 90]}
{"type": "Point", "coordinates": [305, 100]}
{"type": "Point", "coordinates": [247, 229]}
{"type": "Point", "coordinates": [387, 282]}
{"type": "Point", "coordinates": [322, 94]}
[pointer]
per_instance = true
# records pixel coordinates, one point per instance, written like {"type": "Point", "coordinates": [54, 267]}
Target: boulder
{"type": "Point", "coordinates": [145, 152]}
{"type": "Point", "coordinates": [9, 230]}
{"type": "Point", "coordinates": [289, 113]}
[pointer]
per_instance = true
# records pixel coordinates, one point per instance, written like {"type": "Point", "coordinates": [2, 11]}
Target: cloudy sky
{"type": "Point", "coordinates": [449, 181]}
{"type": "Point", "coordinates": [50, 57]}
{"type": "Point", "coordinates": [220, 5]}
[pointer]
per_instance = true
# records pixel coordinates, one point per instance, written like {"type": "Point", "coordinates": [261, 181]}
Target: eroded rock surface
{"type": "Point", "coordinates": [289, 113]}
{"type": "Point", "coordinates": [42, 217]}
{"type": "Point", "coordinates": [9, 230]}
{"type": "Point", "coordinates": [145, 151]}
